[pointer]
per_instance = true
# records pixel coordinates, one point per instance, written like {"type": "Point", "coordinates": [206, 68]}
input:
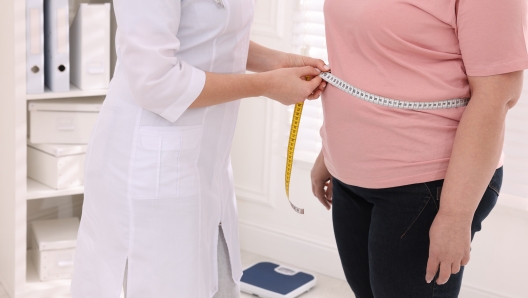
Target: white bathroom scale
{"type": "Point", "coordinates": [269, 280]}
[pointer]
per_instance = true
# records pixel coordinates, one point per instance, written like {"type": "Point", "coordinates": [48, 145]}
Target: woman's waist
{"type": "Point", "coordinates": [421, 83]}
{"type": "Point", "coordinates": [380, 139]}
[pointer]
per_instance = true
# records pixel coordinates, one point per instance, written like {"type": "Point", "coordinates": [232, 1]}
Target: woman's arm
{"type": "Point", "coordinates": [476, 153]}
{"type": "Point", "coordinates": [163, 84]}
{"type": "Point", "coordinates": [287, 86]}
{"type": "Point", "coordinates": [261, 59]}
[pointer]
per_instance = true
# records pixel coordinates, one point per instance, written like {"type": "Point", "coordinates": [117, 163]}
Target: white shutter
{"type": "Point", "coordinates": [309, 39]}
{"type": "Point", "coordinates": [516, 149]}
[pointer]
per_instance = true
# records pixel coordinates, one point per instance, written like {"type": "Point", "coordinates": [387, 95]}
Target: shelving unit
{"type": "Point", "coordinates": [17, 273]}
{"type": "Point", "coordinates": [74, 92]}
{"type": "Point", "coordinates": [36, 190]}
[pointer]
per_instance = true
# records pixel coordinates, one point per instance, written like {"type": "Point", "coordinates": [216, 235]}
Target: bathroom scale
{"type": "Point", "coordinates": [269, 280]}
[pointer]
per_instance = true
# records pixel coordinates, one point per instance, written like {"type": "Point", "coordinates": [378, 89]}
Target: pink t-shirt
{"type": "Point", "coordinates": [414, 50]}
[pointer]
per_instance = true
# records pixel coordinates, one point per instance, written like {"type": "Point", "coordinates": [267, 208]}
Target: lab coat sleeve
{"type": "Point", "coordinates": [147, 48]}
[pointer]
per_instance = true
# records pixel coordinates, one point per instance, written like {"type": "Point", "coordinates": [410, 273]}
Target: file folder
{"type": "Point", "coordinates": [34, 47]}
{"type": "Point", "coordinates": [57, 45]}
{"type": "Point", "coordinates": [90, 47]}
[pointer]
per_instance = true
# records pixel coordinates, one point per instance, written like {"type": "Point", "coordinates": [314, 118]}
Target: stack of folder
{"type": "Point", "coordinates": [58, 54]}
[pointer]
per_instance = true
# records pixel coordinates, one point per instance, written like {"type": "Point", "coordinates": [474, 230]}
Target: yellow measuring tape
{"type": "Point", "coordinates": [291, 149]}
{"type": "Point", "coordinates": [296, 121]}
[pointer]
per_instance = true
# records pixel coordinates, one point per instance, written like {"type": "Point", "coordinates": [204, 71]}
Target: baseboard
{"type": "Point", "coordinates": [472, 291]}
{"type": "Point", "coordinates": [290, 249]}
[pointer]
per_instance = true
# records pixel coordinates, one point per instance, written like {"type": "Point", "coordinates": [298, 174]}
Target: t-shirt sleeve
{"type": "Point", "coordinates": [493, 36]}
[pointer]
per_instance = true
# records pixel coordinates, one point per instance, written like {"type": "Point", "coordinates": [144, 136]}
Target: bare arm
{"type": "Point", "coordinates": [476, 153]}
{"type": "Point", "coordinates": [261, 59]}
{"type": "Point", "coordinates": [271, 80]}
{"type": "Point", "coordinates": [287, 86]}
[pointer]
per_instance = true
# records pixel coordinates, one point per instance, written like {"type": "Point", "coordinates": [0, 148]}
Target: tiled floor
{"type": "Point", "coordinates": [327, 287]}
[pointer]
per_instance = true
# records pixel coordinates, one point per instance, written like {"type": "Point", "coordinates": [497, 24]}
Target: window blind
{"type": "Point", "coordinates": [309, 39]}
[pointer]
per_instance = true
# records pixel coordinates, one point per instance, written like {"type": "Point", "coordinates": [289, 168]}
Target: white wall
{"type": "Point", "coordinates": [270, 228]}
{"type": "Point", "coordinates": [12, 135]}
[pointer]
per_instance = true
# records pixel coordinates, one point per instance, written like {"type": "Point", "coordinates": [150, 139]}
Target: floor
{"type": "Point", "coordinates": [327, 287]}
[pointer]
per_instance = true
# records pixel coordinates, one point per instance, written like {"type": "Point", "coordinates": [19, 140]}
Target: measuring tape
{"type": "Point", "coordinates": [296, 121]}
{"type": "Point", "coordinates": [363, 95]}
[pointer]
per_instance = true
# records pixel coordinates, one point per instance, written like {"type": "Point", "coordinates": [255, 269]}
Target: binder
{"type": "Point", "coordinates": [34, 47]}
{"type": "Point", "coordinates": [90, 47]}
{"type": "Point", "coordinates": [57, 45]}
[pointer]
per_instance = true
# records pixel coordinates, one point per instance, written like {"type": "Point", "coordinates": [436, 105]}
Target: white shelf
{"type": "Point", "coordinates": [36, 190]}
{"type": "Point", "coordinates": [35, 288]}
{"type": "Point", "coordinates": [74, 92]}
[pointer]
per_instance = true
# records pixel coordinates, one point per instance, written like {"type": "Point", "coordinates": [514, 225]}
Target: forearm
{"type": "Point", "coordinates": [478, 143]}
{"type": "Point", "coordinates": [280, 75]}
{"type": "Point", "coordinates": [222, 88]}
{"type": "Point", "coordinates": [261, 59]}
{"type": "Point", "coordinates": [287, 86]}
{"type": "Point", "coordinates": [474, 159]}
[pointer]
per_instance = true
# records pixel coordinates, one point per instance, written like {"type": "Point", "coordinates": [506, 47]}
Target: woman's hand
{"type": "Point", "coordinates": [322, 182]}
{"type": "Point", "coordinates": [262, 59]}
{"type": "Point", "coordinates": [293, 60]}
{"type": "Point", "coordinates": [450, 243]}
{"type": "Point", "coordinates": [290, 86]}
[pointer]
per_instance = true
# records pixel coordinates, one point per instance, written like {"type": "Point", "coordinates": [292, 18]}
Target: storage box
{"type": "Point", "coordinates": [57, 166]}
{"type": "Point", "coordinates": [63, 121]}
{"type": "Point", "coordinates": [53, 247]}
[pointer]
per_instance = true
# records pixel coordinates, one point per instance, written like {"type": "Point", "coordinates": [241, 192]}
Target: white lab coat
{"type": "Point", "coordinates": [158, 174]}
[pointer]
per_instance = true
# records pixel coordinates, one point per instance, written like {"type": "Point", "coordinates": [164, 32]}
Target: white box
{"type": "Point", "coordinates": [61, 121]}
{"type": "Point", "coordinates": [90, 47]}
{"type": "Point", "coordinates": [57, 166]}
{"type": "Point", "coordinates": [53, 245]}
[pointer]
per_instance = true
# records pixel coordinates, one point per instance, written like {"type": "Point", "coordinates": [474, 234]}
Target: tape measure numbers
{"type": "Point", "coordinates": [296, 121]}
{"type": "Point", "coordinates": [363, 95]}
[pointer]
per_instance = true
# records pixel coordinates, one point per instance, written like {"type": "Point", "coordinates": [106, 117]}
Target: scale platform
{"type": "Point", "coordinates": [269, 280]}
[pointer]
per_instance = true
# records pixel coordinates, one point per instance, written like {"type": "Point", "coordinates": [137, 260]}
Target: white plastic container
{"type": "Point", "coordinates": [53, 247]}
{"type": "Point", "coordinates": [57, 166]}
{"type": "Point", "coordinates": [60, 121]}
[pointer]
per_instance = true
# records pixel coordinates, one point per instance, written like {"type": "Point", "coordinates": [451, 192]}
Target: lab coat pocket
{"type": "Point", "coordinates": [165, 162]}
